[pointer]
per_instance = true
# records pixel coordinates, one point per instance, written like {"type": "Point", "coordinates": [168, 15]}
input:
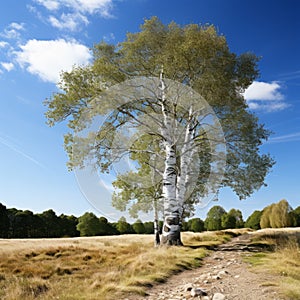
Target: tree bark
{"type": "Point", "coordinates": [171, 231]}
{"type": "Point", "coordinates": [172, 209]}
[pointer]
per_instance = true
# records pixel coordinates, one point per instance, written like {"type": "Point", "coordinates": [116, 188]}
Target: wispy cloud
{"type": "Point", "coordinates": [3, 44]}
{"type": "Point", "coordinates": [49, 4]}
{"type": "Point", "coordinates": [68, 21]}
{"type": "Point", "coordinates": [47, 59]}
{"type": "Point", "coordinates": [6, 142]}
{"type": "Point", "coordinates": [11, 36]}
{"type": "Point", "coordinates": [8, 66]}
{"type": "Point", "coordinates": [265, 96]}
{"type": "Point", "coordinates": [291, 137]}
{"type": "Point", "coordinates": [291, 75]}
{"type": "Point", "coordinates": [73, 14]}
{"type": "Point", "coordinates": [268, 106]}
{"type": "Point", "coordinates": [13, 31]}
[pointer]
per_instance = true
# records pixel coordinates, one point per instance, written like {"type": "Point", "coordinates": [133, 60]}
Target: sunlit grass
{"type": "Point", "coordinates": [90, 268]}
{"type": "Point", "coordinates": [208, 239]}
{"type": "Point", "coordinates": [284, 261]}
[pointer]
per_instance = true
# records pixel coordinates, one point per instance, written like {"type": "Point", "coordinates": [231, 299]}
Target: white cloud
{"type": "Point", "coordinates": [49, 4]}
{"type": "Point", "coordinates": [17, 26]}
{"type": "Point", "coordinates": [47, 59]}
{"type": "Point", "coordinates": [268, 106]}
{"type": "Point", "coordinates": [265, 96]}
{"type": "Point", "coordinates": [95, 6]}
{"type": "Point", "coordinates": [3, 44]}
{"type": "Point", "coordinates": [263, 91]}
{"type": "Point", "coordinates": [70, 14]}
{"type": "Point", "coordinates": [7, 66]}
{"type": "Point", "coordinates": [87, 6]}
{"type": "Point", "coordinates": [68, 21]}
{"type": "Point", "coordinates": [12, 31]}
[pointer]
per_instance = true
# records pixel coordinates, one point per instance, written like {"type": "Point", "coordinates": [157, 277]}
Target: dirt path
{"type": "Point", "coordinates": [223, 275]}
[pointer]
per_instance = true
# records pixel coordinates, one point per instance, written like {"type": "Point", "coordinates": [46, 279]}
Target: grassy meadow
{"type": "Point", "coordinates": [94, 267]}
{"type": "Point", "coordinates": [283, 260]}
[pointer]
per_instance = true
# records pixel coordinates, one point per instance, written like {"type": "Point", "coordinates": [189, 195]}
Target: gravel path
{"type": "Point", "coordinates": [223, 275]}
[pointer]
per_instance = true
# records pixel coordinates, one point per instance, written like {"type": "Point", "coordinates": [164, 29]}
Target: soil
{"type": "Point", "coordinates": [223, 272]}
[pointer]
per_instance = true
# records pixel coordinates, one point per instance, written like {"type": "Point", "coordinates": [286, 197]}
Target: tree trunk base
{"type": "Point", "coordinates": [171, 240]}
{"type": "Point", "coordinates": [171, 232]}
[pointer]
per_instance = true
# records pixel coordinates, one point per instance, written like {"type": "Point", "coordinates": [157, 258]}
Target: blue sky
{"type": "Point", "coordinates": [39, 38]}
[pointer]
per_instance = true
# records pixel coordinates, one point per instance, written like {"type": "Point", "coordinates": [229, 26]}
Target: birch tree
{"type": "Point", "coordinates": [194, 108]}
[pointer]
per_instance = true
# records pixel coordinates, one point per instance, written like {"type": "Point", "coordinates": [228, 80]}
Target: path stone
{"type": "Point", "coordinates": [218, 296]}
{"type": "Point", "coordinates": [198, 292]}
{"type": "Point", "coordinates": [188, 287]}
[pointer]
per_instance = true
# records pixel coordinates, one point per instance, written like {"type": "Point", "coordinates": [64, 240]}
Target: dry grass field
{"type": "Point", "coordinates": [113, 267]}
{"type": "Point", "coordinates": [92, 268]}
{"type": "Point", "coordinates": [284, 261]}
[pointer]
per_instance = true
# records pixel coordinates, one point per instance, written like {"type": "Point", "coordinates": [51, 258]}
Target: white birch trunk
{"type": "Point", "coordinates": [172, 209]}
{"type": "Point", "coordinates": [186, 160]}
{"type": "Point", "coordinates": [171, 227]}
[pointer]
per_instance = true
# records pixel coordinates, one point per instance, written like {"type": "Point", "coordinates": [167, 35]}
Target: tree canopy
{"type": "Point", "coordinates": [198, 58]}
{"type": "Point", "coordinates": [214, 216]}
{"type": "Point", "coordinates": [278, 215]}
{"type": "Point", "coordinates": [253, 220]}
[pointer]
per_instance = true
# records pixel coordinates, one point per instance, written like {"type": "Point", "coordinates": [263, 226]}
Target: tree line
{"type": "Point", "coordinates": [16, 223]}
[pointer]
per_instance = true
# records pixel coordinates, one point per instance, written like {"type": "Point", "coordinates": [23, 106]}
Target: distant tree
{"type": "Point", "coordinates": [149, 227]}
{"type": "Point", "coordinates": [278, 215]}
{"type": "Point", "coordinates": [237, 214]}
{"type": "Point", "coordinates": [124, 227]}
{"type": "Point", "coordinates": [11, 213]}
{"type": "Point", "coordinates": [233, 219]}
{"type": "Point", "coordinates": [68, 226]}
{"type": "Point", "coordinates": [37, 228]}
{"type": "Point", "coordinates": [281, 215]}
{"type": "Point", "coordinates": [4, 222]}
{"type": "Point", "coordinates": [88, 225]}
{"type": "Point", "coordinates": [106, 228]}
{"type": "Point", "coordinates": [51, 223]}
{"type": "Point", "coordinates": [265, 220]}
{"type": "Point", "coordinates": [195, 225]}
{"type": "Point", "coordinates": [24, 224]}
{"type": "Point", "coordinates": [253, 220]}
{"type": "Point", "coordinates": [139, 227]}
{"type": "Point", "coordinates": [213, 219]}
{"type": "Point", "coordinates": [103, 220]}
{"type": "Point", "coordinates": [228, 221]}
{"type": "Point", "coordinates": [297, 216]}
{"type": "Point", "coordinates": [184, 226]}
